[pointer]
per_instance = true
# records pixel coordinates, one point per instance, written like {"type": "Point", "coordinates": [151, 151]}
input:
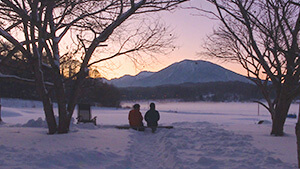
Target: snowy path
{"type": "Point", "coordinates": [198, 145]}
{"type": "Point", "coordinates": [150, 150]}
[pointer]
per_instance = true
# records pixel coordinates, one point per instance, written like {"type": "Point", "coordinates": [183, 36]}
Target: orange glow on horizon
{"type": "Point", "coordinates": [191, 32]}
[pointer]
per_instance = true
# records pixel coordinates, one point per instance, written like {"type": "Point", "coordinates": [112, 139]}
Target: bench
{"type": "Point", "coordinates": [84, 114]}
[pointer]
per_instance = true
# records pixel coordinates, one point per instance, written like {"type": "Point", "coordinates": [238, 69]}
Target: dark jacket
{"type": "Point", "coordinates": [151, 117]}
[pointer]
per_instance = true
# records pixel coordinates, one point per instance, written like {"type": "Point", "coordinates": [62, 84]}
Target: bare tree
{"type": "Point", "coordinates": [263, 36]}
{"type": "Point", "coordinates": [36, 28]}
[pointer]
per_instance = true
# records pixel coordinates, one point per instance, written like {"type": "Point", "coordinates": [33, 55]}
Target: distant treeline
{"type": "Point", "coordinates": [12, 89]}
{"type": "Point", "coordinates": [94, 91]}
{"type": "Point", "coordinates": [213, 91]}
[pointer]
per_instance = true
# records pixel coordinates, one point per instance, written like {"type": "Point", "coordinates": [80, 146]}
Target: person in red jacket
{"type": "Point", "coordinates": [135, 118]}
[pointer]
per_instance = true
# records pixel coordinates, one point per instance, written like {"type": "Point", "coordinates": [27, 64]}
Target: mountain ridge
{"type": "Point", "coordinates": [186, 71]}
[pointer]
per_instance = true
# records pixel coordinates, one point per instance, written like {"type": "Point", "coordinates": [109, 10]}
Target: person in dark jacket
{"type": "Point", "coordinates": [135, 118]}
{"type": "Point", "coordinates": [152, 117]}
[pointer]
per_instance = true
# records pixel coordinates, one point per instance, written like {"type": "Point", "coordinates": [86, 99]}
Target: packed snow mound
{"type": "Point", "coordinates": [266, 122]}
{"type": "Point", "coordinates": [36, 123]}
{"type": "Point", "coordinates": [41, 123]}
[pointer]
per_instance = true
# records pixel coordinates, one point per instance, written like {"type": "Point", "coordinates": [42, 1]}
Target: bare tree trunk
{"type": "Point", "coordinates": [74, 95]}
{"type": "Point", "coordinates": [297, 130]}
{"type": "Point", "coordinates": [63, 126]}
{"type": "Point", "coordinates": [50, 118]}
{"type": "Point", "coordinates": [48, 106]}
{"type": "Point", "coordinates": [281, 111]}
{"type": "Point", "coordinates": [61, 101]}
{"type": "Point", "coordinates": [0, 110]}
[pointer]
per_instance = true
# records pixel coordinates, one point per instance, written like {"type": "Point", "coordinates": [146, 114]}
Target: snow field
{"type": "Point", "coordinates": [206, 136]}
{"type": "Point", "coordinates": [28, 147]}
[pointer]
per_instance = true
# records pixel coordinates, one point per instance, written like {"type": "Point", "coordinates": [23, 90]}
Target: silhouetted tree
{"type": "Point", "coordinates": [263, 36]}
{"type": "Point", "coordinates": [37, 28]}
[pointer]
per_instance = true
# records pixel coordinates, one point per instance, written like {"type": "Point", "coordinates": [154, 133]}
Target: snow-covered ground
{"type": "Point", "coordinates": [205, 135]}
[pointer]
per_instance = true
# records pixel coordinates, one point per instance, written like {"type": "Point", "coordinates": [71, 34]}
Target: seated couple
{"type": "Point", "coordinates": [136, 119]}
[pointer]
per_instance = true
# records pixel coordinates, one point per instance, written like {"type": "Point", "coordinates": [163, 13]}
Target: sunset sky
{"type": "Point", "coordinates": [190, 31]}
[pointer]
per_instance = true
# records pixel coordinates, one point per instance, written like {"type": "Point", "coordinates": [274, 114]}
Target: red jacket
{"type": "Point", "coordinates": [135, 118]}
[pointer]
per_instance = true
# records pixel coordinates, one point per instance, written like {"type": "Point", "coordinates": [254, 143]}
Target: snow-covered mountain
{"type": "Point", "coordinates": [187, 71]}
{"type": "Point", "coordinates": [128, 80]}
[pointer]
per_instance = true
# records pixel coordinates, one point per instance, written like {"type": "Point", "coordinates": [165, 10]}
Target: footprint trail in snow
{"type": "Point", "coordinates": [197, 145]}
